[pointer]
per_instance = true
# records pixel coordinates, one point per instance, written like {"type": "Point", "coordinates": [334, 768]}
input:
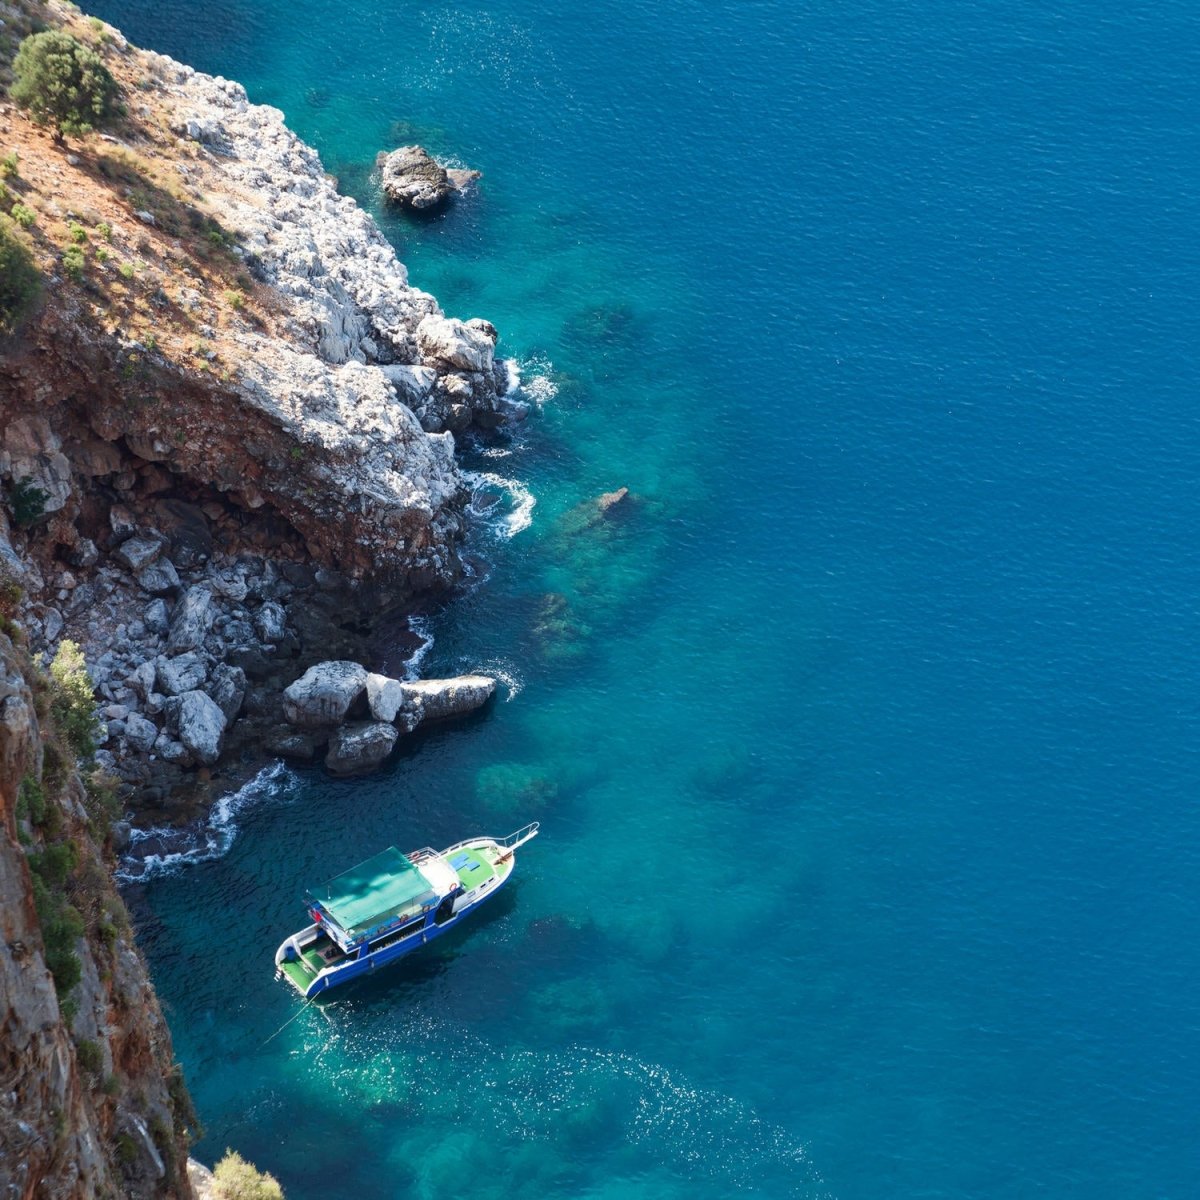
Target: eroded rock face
{"type": "Point", "coordinates": [413, 178]}
{"type": "Point", "coordinates": [360, 747]}
{"type": "Point", "coordinates": [323, 695]}
{"type": "Point", "coordinates": [59, 1126]}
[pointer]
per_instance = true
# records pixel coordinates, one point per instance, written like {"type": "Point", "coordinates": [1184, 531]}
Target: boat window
{"type": "Point", "coordinates": [403, 932]}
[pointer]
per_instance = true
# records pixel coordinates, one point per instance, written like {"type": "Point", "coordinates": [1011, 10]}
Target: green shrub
{"type": "Point", "coordinates": [126, 270]}
{"type": "Point", "coordinates": [23, 215]}
{"type": "Point", "coordinates": [72, 700]}
{"type": "Point", "coordinates": [26, 502]}
{"type": "Point", "coordinates": [19, 278]}
{"type": "Point", "coordinates": [236, 1179]}
{"type": "Point", "coordinates": [236, 300]}
{"type": "Point", "coordinates": [78, 233]}
{"type": "Point", "coordinates": [101, 254]}
{"type": "Point", "coordinates": [104, 229]}
{"type": "Point", "coordinates": [89, 1056]}
{"type": "Point", "coordinates": [31, 801]}
{"type": "Point", "coordinates": [73, 262]}
{"type": "Point", "coordinates": [9, 165]}
{"type": "Point", "coordinates": [62, 83]}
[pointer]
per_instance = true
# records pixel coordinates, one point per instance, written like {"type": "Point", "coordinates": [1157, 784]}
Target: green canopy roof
{"type": "Point", "coordinates": [374, 891]}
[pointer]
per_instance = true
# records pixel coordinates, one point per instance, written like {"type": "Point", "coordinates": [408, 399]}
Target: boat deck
{"type": "Point", "coordinates": [472, 866]}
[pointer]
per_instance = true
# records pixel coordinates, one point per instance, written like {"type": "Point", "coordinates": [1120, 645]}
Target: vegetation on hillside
{"type": "Point", "coordinates": [19, 278]}
{"type": "Point", "coordinates": [63, 83]}
{"type": "Point", "coordinates": [236, 1179]}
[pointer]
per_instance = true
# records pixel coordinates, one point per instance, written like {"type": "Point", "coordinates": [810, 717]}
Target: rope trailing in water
{"type": "Point", "coordinates": [311, 1000]}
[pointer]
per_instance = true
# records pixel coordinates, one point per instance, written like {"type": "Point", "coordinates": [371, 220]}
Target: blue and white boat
{"type": "Point", "coordinates": [390, 905]}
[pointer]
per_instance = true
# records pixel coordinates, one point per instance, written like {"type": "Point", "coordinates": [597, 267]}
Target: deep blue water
{"type": "Point", "coordinates": [866, 746]}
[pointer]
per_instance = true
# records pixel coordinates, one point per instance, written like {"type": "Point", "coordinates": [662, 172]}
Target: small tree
{"type": "Point", "coordinates": [62, 83]}
{"type": "Point", "coordinates": [236, 1179]}
{"type": "Point", "coordinates": [72, 700]}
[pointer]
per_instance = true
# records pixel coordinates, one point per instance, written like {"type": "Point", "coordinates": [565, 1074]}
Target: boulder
{"type": "Point", "coordinates": [385, 696]}
{"type": "Point", "coordinates": [159, 578]}
{"type": "Point", "coordinates": [323, 695]}
{"type": "Point", "coordinates": [140, 734]}
{"type": "Point", "coordinates": [412, 177]}
{"type": "Point", "coordinates": [138, 552]}
{"type": "Point", "coordinates": [201, 726]}
{"type": "Point", "coordinates": [192, 621]}
{"type": "Point", "coordinates": [270, 622]}
{"type": "Point", "coordinates": [181, 674]}
{"type": "Point", "coordinates": [155, 617]}
{"type": "Point", "coordinates": [459, 345]}
{"type": "Point", "coordinates": [441, 698]}
{"type": "Point", "coordinates": [290, 744]}
{"type": "Point", "coordinates": [228, 689]}
{"type": "Point", "coordinates": [360, 747]}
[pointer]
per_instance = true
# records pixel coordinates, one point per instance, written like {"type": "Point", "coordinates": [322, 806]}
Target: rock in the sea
{"type": "Point", "coordinates": [460, 345]}
{"type": "Point", "coordinates": [451, 697]}
{"type": "Point", "coordinates": [180, 674]}
{"type": "Point", "coordinates": [201, 726]}
{"type": "Point", "coordinates": [412, 177]}
{"type": "Point", "coordinates": [359, 747]}
{"type": "Point", "coordinates": [385, 696]}
{"type": "Point", "coordinates": [192, 621]}
{"type": "Point", "coordinates": [323, 695]}
{"type": "Point", "coordinates": [291, 744]}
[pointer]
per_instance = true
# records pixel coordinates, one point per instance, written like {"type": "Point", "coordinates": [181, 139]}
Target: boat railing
{"type": "Point", "coordinates": [509, 843]}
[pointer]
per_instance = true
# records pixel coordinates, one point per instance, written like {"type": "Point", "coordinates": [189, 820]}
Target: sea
{"type": "Point", "coordinates": [864, 734]}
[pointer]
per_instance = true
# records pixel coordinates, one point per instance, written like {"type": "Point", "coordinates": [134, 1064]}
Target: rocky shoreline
{"type": "Point", "coordinates": [212, 539]}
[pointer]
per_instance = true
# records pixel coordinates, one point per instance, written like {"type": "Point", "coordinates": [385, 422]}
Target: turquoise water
{"type": "Point", "coordinates": [873, 724]}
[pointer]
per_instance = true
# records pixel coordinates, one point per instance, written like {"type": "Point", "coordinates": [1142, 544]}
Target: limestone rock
{"type": "Point", "coordinates": [138, 552]}
{"type": "Point", "coordinates": [159, 578]}
{"type": "Point", "coordinates": [455, 344]}
{"type": "Point", "coordinates": [385, 696]}
{"type": "Point", "coordinates": [412, 177]}
{"type": "Point", "coordinates": [228, 689]}
{"type": "Point", "coordinates": [140, 734]}
{"type": "Point", "coordinates": [360, 747]}
{"type": "Point", "coordinates": [201, 726]}
{"type": "Point", "coordinates": [270, 622]}
{"type": "Point", "coordinates": [180, 674]}
{"type": "Point", "coordinates": [155, 617]}
{"type": "Point", "coordinates": [324, 694]}
{"type": "Point", "coordinates": [451, 697]}
{"type": "Point", "coordinates": [192, 620]}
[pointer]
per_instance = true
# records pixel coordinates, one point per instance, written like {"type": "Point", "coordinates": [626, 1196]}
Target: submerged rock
{"type": "Point", "coordinates": [323, 695]}
{"type": "Point", "coordinates": [359, 747]}
{"type": "Point", "coordinates": [412, 177]}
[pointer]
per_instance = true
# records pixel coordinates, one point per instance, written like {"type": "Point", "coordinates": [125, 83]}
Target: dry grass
{"type": "Point", "coordinates": [168, 284]}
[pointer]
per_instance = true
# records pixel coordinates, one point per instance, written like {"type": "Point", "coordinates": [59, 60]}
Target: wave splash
{"type": "Point", "coordinates": [516, 516]}
{"type": "Point", "coordinates": [163, 850]}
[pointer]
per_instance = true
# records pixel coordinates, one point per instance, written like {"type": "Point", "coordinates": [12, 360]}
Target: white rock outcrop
{"type": "Point", "coordinates": [323, 695]}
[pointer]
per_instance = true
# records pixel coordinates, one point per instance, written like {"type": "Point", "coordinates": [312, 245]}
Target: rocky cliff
{"type": "Point", "coordinates": [91, 1103]}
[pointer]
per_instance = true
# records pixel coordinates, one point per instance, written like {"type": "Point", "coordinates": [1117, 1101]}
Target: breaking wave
{"type": "Point", "coordinates": [511, 518]}
{"type": "Point", "coordinates": [163, 850]}
{"type": "Point", "coordinates": [423, 629]}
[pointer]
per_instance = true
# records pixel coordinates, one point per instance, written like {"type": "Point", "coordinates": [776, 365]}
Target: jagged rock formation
{"type": "Point", "coordinates": [331, 693]}
{"type": "Point", "coordinates": [91, 1105]}
{"type": "Point", "coordinates": [413, 178]}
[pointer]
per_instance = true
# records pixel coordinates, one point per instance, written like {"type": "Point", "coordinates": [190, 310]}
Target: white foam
{"type": "Point", "coordinates": [535, 381]}
{"type": "Point", "coordinates": [422, 628]}
{"type": "Point", "coordinates": [204, 840]}
{"type": "Point", "coordinates": [518, 516]}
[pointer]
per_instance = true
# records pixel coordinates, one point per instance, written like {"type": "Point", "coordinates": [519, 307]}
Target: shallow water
{"type": "Point", "coordinates": [865, 742]}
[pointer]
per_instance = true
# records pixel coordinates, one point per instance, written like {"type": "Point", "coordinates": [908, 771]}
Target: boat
{"type": "Point", "coordinates": [388, 906]}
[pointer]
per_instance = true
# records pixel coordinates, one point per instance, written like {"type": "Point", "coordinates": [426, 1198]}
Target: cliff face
{"type": "Point", "coordinates": [91, 1104]}
{"type": "Point", "coordinates": [228, 317]}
